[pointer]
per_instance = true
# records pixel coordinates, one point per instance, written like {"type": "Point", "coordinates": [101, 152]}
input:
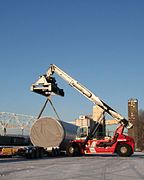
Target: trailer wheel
{"type": "Point", "coordinates": [41, 153]}
{"type": "Point", "coordinates": [53, 153]}
{"type": "Point", "coordinates": [33, 154]}
{"type": "Point", "coordinates": [37, 153]}
{"type": "Point", "coordinates": [27, 156]}
{"type": "Point", "coordinates": [57, 152]}
{"type": "Point", "coordinates": [72, 150]}
{"type": "Point", "coordinates": [124, 150]}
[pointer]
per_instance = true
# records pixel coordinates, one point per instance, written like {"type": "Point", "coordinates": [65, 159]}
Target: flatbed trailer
{"type": "Point", "coordinates": [18, 145]}
{"type": "Point", "coordinates": [29, 152]}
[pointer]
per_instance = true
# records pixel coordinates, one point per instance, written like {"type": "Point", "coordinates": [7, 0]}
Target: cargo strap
{"type": "Point", "coordinates": [54, 109]}
{"type": "Point", "coordinates": [48, 100]}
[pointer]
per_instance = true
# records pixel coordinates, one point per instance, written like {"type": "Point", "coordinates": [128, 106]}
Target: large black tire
{"type": "Point", "coordinates": [27, 156]}
{"type": "Point", "coordinates": [41, 153]}
{"type": "Point", "coordinates": [54, 152]}
{"type": "Point", "coordinates": [33, 154]}
{"type": "Point", "coordinates": [72, 150]}
{"type": "Point", "coordinates": [30, 155]}
{"type": "Point", "coordinates": [124, 150]}
{"type": "Point", "coordinates": [37, 153]}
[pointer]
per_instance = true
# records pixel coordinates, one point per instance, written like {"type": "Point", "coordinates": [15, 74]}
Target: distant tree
{"type": "Point", "coordinates": [141, 129]}
{"type": "Point", "coordinates": [141, 115]}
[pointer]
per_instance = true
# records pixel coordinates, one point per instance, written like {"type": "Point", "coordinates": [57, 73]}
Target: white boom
{"type": "Point", "coordinates": [44, 81]}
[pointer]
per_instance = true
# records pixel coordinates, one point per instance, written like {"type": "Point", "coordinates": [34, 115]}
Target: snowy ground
{"type": "Point", "coordinates": [101, 167]}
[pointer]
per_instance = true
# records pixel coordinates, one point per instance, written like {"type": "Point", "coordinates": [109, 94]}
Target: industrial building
{"type": "Point", "coordinates": [133, 118]}
{"type": "Point", "coordinates": [86, 122]}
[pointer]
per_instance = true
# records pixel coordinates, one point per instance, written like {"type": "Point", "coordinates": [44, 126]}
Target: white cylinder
{"type": "Point", "coordinates": [49, 132]}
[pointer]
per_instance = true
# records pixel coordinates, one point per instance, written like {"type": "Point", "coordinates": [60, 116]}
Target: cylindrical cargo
{"type": "Point", "coordinates": [49, 132]}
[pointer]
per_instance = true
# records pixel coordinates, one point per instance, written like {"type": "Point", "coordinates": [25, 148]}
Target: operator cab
{"type": "Point", "coordinates": [82, 132]}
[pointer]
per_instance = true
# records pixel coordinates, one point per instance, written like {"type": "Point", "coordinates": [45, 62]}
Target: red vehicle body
{"type": "Point", "coordinates": [120, 143]}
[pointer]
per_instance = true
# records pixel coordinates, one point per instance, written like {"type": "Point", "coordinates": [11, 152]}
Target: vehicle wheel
{"type": "Point", "coordinates": [32, 155]}
{"type": "Point", "coordinates": [27, 156]}
{"type": "Point", "coordinates": [57, 152]}
{"type": "Point", "coordinates": [37, 153]}
{"type": "Point", "coordinates": [41, 153]}
{"type": "Point", "coordinates": [72, 150]}
{"type": "Point", "coordinates": [124, 150]}
{"type": "Point", "coordinates": [53, 153]}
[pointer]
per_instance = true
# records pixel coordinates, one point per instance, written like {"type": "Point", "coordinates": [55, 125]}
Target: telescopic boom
{"type": "Point", "coordinates": [46, 85]}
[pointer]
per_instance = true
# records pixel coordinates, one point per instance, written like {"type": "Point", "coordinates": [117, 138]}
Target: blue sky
{"type": "Point", "coordinates": [99, 43]}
